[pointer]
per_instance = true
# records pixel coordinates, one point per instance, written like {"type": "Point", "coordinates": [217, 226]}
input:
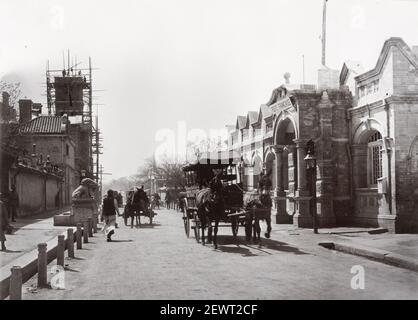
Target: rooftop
{"type": "Point", "coordinates": [43, 125]}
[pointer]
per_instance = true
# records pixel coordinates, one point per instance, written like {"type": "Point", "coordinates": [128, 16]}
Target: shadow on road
{"type": "Point", "coordinates": [241, 246]}
{"type": "Point", "coordinates": [24, 221]}
{"type": "Point", "coordinates": [237, 249]}
{"type": "Point", "coordinates": [120, 241]}
{"type": "Point", "coordinates": [149, 226]}
{"type": "Point", "coordinates": [11, 251]}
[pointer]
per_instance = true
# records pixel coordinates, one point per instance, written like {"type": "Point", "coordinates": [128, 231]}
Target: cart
{"type": "Point", "coordinates": [198, 175]}
{"type": "Point", "coordinates": [130, 212]}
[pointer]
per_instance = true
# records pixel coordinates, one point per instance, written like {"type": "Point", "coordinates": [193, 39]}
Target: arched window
{"type": "Point", "coordinates": [374, 155]}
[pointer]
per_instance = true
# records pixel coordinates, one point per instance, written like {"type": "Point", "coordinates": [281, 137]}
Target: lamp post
{"type": "Point", "coordinates": [310, 160]}
{"type": "Point", "coordinates": [151, 176]}
{"type": "Point", "coordinates": [83, 174]}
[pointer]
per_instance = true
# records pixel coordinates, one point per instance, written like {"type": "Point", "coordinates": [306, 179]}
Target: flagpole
{"type": "Point", "coordinates": [324, 31]}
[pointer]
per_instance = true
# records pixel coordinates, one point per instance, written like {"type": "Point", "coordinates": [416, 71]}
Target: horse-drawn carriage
{"type": "Point", "coordinates": [136, 210]}
{"type": "Point", "coordinates": [230, 205]}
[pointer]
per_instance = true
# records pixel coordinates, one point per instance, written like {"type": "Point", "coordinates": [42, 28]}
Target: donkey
{"type": "Point", "coordinates": [210, 207]}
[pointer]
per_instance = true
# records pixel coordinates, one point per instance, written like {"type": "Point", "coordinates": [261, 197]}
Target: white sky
{"type": "Point", "coordinates": [203, 62]}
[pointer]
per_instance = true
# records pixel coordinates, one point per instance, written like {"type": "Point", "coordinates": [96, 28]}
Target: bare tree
{"type": "Point", "coordinates": [13, 89]}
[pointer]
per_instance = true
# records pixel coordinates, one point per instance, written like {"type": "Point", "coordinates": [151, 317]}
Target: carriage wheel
{"type": "Point", "coordinates": [196, 229]}
{"type": "Point", "coordinates": [234, 226]}
{"type": "Point", "coordinates": [186, 222]}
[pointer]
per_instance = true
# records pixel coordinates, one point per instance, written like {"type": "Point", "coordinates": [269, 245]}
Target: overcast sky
{"type": "Point", "coordinates": [202, 62]}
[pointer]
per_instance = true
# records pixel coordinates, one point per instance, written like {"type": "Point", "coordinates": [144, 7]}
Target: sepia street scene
{"type": "Point", "coordinates": [224, 150]}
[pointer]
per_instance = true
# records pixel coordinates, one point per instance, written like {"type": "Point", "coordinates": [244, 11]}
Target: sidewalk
{"type": "Point", "coordinates": [28, 232]}
{"type": "Point", "coordinates": [396, 249]}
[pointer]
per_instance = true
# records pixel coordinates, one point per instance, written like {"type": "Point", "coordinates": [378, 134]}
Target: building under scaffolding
{"type": "Point", "coordinates": [70, 94]}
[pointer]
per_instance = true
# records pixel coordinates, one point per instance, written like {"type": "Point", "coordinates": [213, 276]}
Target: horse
{"type": "Point", "coordinates": [259, 208]}
{"type": "Point", "coordinates": [210, 207]}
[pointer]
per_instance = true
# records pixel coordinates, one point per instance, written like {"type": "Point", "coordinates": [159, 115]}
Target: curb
{"type": "Point", "coordinates": [29, 264]}
{"type": "Point", "coordinates": [383, 256]}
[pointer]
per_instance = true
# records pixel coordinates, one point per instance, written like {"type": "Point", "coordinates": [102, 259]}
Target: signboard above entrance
{"type": "Point", "coordinates": [281, 105]}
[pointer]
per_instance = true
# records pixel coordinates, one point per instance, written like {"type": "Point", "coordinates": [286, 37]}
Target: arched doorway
{"type": "Point", "coordinates": [271, 168]}
{"type": "Point", "coordinates": [369, 167]}
{"type": "Point", "coordinates": [286, 169]}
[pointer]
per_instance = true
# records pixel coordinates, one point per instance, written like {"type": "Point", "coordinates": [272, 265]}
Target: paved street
{"type": "Point", "coordinates": [159, 262]}
{"type": "Point", "coordinates": [27, 233]}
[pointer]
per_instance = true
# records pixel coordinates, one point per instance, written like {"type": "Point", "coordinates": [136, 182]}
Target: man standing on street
{"type": "Point", "coordinates": [13, 203]}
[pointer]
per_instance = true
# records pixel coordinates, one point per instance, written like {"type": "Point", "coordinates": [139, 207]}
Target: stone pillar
{"type": "Point", "coordinates": [70, 242]}
{"type": "Point", "coordinates": [302, 189]}
{"type": "Point", "coordinates": [61, 250]}
{"type": "Point", "coordinates": [78, 236]}
{"type": "Point", "coordinates": [282, 216]}
{"type": "Point", "coordinates": [324, 192]}
{"type": "Point", "coordinates": [85, 232]}
{"type": "Point", "coordinates": [42, 265]}
{"type": "Point", "coordinates": [302, 217]}
{"type": "Point", "coordinates": [291, 180]}
{"type": "Point", "coordinates": [15, 290]}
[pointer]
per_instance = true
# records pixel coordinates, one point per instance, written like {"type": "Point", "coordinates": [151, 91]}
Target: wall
{"type": "Point", "coordinates": [36, 190]}
{"type": "Point", "coordinates": [55, 146]}
{"type": "Point", "coordinates": [52, 145]}
{"type": "Point", "coordinates": [406, 163]}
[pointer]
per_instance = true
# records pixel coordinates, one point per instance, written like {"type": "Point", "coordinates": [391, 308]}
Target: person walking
{"type": "Point", "coordinates": [110, 209]}
{"type": "Point", "coordinates": [168, 199]}
{"type": "Point", "coordinates": [13, 203]}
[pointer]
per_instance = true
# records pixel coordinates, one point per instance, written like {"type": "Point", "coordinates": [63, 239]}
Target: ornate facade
{"type": "Point", "coordinates": [365, 130]}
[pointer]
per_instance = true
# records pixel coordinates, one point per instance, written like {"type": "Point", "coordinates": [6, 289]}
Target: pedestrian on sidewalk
{"type": "Point", "coordinates": [110, 209]}
{"type": "Point", "coordinates": [13, 203]}
{"type": "Point", "coordinates": [115, 195]}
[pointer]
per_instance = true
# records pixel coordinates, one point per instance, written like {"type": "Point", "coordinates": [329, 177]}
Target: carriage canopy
{"type": "Point", "coordinates": [208, 165]}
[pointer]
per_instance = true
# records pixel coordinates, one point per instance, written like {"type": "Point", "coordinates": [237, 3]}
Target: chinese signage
{"type": "Point", "coordinates": [281, 105]}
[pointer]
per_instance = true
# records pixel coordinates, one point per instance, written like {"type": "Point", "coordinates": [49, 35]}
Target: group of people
{"type": "Point", "coordinates": [9, 204]}
{"type": "Point", "coordinates": [136, 203]}
{"type": "Point", "coordinates": [173, 198]}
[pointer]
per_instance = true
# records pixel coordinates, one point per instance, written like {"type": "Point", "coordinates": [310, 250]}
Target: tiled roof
{"type": "Point", "coordinates": [396, 42]}
{"type": "Point", "coordinates": [252, 117]}
{"type": "Point", "coordinates": [43, 125]}
{"type": "Point", "coordinates": [265, 111]}
{"type": "Point", "coordinates": [241, 122]}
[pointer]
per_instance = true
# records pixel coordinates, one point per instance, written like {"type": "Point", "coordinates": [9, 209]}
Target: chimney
{"type": "Point", "coordinates": [36, 109]}
{"type": "Point", "coordinates": [25, 110]}
{"type": "Point", "coordinates": [6, 99]}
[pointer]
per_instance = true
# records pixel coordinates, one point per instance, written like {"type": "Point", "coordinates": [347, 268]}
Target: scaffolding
{"type": "Point", "coordinates": [70, 93]}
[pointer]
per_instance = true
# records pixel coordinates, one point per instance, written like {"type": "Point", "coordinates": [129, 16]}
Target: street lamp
{"type": "Point", "coordinates": [151, 176]}
{"type": "Point", "coordinates": [310, 160]}
{"type": "Point", "coordinates": [83, 173]}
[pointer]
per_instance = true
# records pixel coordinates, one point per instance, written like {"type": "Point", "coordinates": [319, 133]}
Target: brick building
{"type": "Point", "coordinates": [48, 136]}
{"type": "Point", "coordinates": [38, 178]}
{"type": "Point", "coordinates": [365, 130]}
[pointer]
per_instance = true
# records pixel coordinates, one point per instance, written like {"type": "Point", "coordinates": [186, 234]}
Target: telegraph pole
{"type": "Point", "coordinates": [324, 31]}
{"type": "Point", "coordinates": [101, 174]}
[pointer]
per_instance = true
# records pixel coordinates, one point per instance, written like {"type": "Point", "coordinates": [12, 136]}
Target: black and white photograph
{"type": "Point", "coordinates": [208, 156]}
